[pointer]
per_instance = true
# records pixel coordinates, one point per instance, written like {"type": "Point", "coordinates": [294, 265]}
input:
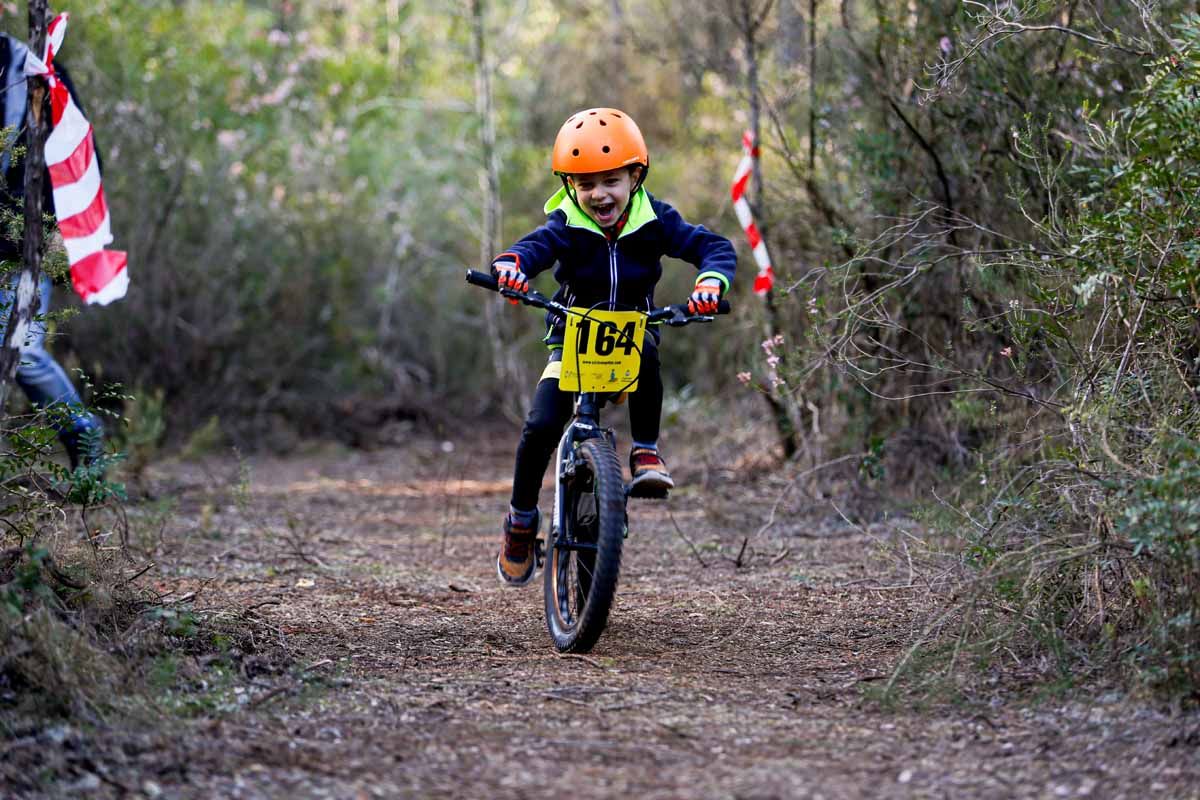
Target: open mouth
{"type": "Point", "coordinates": [605, 212]}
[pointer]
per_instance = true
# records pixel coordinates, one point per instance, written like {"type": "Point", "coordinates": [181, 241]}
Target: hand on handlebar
{"type": "Point", "coordinates": [509, 275]}
{"type": "Point", "coordinates": [705, 297]}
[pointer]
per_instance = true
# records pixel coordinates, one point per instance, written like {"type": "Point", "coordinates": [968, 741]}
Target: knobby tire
{"type": "Point", "coordinates": [580, 585]}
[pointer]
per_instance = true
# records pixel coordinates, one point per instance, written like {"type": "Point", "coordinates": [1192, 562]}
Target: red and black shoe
{"type": "Point", "coordinates": [650, 475]}
{"type": "Point", "coordinates": [517, 561]}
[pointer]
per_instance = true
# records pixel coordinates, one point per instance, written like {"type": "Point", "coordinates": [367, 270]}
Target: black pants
{"type": "Point", "coordinates": [551, 411]}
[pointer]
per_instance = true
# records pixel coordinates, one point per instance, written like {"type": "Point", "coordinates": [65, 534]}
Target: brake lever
{"type": "Point", "coordinates": [530, 298]}
{"type": "Point", "coordinates": [679, 318]}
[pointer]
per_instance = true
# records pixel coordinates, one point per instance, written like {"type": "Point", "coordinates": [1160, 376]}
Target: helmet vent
{"type": "Point", "coordinates": [615, 114]}
{"type": "Point", "coordinates": [575, 152]}
{"type": "Point", "coordinates": [580, 125]}
{"type": "Point", "coordinates": [592, 113]}
{"type": "Point", "coordinates": [602, 122]}
{"type": "Point", "coordinates": [605, 149]}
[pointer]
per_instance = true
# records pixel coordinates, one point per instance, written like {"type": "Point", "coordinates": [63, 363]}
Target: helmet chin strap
{"type": "Point", "coordinates": [570, 193]}
{"type": "Point", "coordinates": [645, 168]}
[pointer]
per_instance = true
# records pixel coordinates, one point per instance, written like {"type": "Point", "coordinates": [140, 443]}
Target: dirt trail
{"type": "Point", "coordinates": [416, 675]}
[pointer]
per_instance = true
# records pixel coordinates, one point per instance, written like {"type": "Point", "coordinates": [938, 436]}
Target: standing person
{"type": "Point", "coordinates": [39, 375]}
{"type": "Point", "coordinates": [607, 235]}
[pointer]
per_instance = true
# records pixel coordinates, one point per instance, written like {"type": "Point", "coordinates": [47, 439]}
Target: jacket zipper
{"type": "Point", "coordinates": [612, 275]}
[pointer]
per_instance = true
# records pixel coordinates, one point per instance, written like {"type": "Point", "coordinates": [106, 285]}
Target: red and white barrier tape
{"type": "Point", "coordinates": [98, 275]}
{"type": "Point", "coordinates": [765, 278]}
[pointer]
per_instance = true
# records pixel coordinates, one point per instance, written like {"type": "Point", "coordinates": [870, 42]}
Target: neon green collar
{"type": "Point", "coordinates": [640, 212]}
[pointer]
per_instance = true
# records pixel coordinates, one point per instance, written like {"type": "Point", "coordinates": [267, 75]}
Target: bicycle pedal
{"type": "Point", "coordinates": [539, 553]}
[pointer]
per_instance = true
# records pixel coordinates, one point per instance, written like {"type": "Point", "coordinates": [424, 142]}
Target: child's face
{"type": "Point", "coordinates": [604, 195]}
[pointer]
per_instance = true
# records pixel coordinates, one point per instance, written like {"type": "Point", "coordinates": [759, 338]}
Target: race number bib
{"type": "Point", "coordinates": [602, 351]}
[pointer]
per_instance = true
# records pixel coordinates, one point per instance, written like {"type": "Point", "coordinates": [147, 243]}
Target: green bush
{"type": "Point", "coordinates": [1092, 557]}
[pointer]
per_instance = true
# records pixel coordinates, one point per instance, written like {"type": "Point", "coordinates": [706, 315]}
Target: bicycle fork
{"type": "Point", "coordinates": [564, 466]}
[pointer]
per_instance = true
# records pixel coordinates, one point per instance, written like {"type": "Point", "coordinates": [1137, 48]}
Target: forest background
{"type": "Point", "coordinates": [981, 216]}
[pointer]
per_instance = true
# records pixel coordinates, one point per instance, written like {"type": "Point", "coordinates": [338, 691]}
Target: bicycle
{"type": "Point", "coordinates": [581, 558]}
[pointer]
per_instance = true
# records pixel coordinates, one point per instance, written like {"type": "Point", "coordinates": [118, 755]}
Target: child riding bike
{"type": "Point", "coordinates": [607, 235]}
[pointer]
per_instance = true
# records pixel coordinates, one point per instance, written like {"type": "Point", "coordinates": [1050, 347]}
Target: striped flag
{"type": "Point", "coordinates": [98, 275]}
{"type": "Point", "coordinates": [765, 278]}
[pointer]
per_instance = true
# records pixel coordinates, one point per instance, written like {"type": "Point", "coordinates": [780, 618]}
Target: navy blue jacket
{"type": "Point", "coordinates": [620, 274]}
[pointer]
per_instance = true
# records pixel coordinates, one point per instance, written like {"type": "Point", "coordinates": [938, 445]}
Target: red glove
{"type": "Point", "coordinates": [705, 297]}
{"type": "Point", "coordinates": [508, 274]}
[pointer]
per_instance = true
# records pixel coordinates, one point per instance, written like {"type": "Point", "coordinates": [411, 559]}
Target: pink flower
{"type": "Point", "coordinates": [1007, 352]}
{"type": "Point", "coordinates": [770, 344]}
{"type": "Point", "coordinates": [744, 377]}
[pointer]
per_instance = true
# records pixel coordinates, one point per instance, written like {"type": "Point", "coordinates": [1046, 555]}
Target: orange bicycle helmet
{"type": "Point", "coordinates": [597, 140]}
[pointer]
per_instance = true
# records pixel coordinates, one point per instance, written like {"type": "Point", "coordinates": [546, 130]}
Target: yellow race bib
{"type": "Point", "coordinates": [602, 351]}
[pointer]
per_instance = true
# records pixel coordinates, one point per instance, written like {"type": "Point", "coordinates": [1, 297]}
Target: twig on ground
{"type": "Point", "coordinates": [138, 574]}
{"type": "Point", "coordinates": [683, 536]}
{"type": "Point", "coordinates": [273, 601]}
{"type": "Point", "coordinates": [570, 700]}
{"type": "Point", "coordinates": [877, 588]}
{"type": "Point", "coordinates": [271, 695]}
{"type": "Point", "coordinates": [737, 562]}
{"type": "Point", "coordinates": [299, 541]}
{"type": "Point", "coordinates": [632, 704]}
{"type": "Point", "coordinates": [307, 559]}
{"type": "Point", "coordinates": [101, 772]}
{"type": "Point", "coordinates": [163, 601]}
{"type": "Point", "coordinates": [122, 528]}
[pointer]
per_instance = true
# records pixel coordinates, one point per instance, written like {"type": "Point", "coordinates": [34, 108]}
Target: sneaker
{"type": "Point", "coordinates": [517, 561]}
{"type": "Point", "coordinates": [84, 441]}
{"type": "Point", "coordinates": [650, 475]}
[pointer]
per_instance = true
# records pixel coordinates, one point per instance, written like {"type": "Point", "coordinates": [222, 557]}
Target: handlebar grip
{"type": "Point", "coordinates": [483, 279]}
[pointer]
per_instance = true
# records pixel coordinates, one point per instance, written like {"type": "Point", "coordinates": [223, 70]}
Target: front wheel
{"type": "Point", "coordinates": [585, 557]}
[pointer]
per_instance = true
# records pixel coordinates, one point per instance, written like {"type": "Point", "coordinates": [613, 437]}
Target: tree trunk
{"type": "Point", "coordinates": [783, 408]}
{"type": "Point", "coordinates": [394, 45]}
{"type": "Point", "coordinates": [791, 34]}
{"type": "Point", "coordinates": [812, 88]}
{"type": "Point", "coordinates": [503, 358]}
{"type": "Point", "coordinates": [619, 74]}
{"type": "Point", "coordinates": [24, 306]}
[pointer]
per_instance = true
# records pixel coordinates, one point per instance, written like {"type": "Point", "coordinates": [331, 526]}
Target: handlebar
{"type": "Point", "coordinates": [484, 279]}
{"type": "Point", "coordinates": [674, 316]}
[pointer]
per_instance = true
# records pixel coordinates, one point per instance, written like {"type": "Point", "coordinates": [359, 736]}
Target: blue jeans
{"type": "Point", "coordinates": [45, 382]}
